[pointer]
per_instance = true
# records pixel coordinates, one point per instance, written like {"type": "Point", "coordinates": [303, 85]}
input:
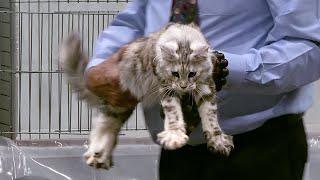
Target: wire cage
{"type": "Point", "coordinates": [35, 100]}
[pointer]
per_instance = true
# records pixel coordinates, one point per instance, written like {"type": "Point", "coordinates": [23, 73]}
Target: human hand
{"type": "Point", "coordinates": [220, 71]}
{"type": "Point", "coordinates": [103, 80]}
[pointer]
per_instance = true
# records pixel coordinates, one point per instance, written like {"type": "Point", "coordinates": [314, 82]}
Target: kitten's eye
{"type": "Point", "coordinates": [175, 74]}
{"type": "Point", "coordinates": [191, 74]}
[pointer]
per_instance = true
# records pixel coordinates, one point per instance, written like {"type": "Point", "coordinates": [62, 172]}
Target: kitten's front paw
{"type": "Point", "coordinates": [98, 159]}
{"type": "Point", "coordinates": [222, 143]}
{"type": "Point", "coordinates": [172, 139]}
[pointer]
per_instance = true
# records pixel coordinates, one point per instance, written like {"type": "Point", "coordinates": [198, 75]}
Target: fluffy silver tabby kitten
{"type": "Point", "coordinates": [158, 68]}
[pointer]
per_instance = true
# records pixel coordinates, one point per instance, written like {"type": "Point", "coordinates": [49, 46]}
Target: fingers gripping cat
{"type": "Point", "coordinates": [154, 69]}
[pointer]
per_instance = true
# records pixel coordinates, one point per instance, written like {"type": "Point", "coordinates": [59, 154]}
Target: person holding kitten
{"type": "Point", "coordinates": [273, 54]}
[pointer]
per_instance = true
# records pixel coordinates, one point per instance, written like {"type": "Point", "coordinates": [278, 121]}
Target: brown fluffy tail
{"type": "Point", "coordinates": [74, 62]}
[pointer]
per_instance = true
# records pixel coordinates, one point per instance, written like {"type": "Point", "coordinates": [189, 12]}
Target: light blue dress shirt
{"type": "Point", "coordinates": [268, 43]}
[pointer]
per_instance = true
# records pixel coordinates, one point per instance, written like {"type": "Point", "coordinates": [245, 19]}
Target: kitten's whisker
{"type": "Point", "coordinates": [165, 94]}
{"type": "Point", "coordinates": [156, 90]}
{"type": "Point", "coordinates": [171, 91]}
{"type": "Point", "coordinates": [162, 91]}
{"type": "Point", "coordinates": [152, 93]}
{"type": "Point", "coordinates": [200, 93]}
{"type": "Point", "coordinates": [192, 94]}
{"type": "Point", "coordinates": [162, 97]}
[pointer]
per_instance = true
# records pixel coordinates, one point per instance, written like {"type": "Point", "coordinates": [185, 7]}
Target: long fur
{"type": "Point", "coordinates": [74, 62]}
{"type": "Point", "coordinates": [147, 70]}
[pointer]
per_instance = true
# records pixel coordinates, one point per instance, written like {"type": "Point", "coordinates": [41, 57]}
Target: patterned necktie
{"type": "Point", "coordinates": [185, 12]}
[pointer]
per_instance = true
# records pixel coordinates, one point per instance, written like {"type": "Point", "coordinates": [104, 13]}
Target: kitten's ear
{"type": "Point", "coordinates": [199, 49]}
{"type": "Point", "coordinates": [169, 48]}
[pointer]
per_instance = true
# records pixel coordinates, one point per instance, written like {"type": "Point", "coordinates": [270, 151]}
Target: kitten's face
{"type": "Point", "coordinates": [184, 65]}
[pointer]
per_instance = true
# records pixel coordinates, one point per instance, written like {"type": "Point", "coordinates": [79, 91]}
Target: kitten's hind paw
{"type": "Point", "coordinates": [222, 143]}
{"type": "Point", "coordinates": [172, 139]}
{"type": "Point", "coordinates": [98, 160]}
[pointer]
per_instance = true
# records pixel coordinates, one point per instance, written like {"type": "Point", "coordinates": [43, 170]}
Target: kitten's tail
{"type": "Point", "coordinates": [74, 62]}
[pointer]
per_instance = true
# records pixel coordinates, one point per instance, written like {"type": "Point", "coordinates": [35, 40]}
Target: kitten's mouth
{"type": "Point", "coordinates": [184, 89]}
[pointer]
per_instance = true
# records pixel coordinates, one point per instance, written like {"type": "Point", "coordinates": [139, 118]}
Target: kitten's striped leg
{"type": "Point", "coordinates": [217, 141]}
{"type": "Point", "coordinates": [174, 134]}
{"type": "Point", "coordinates": [103, 136]}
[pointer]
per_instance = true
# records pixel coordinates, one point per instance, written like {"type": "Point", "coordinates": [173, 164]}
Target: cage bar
{"type": "Point", "coordinates": [42, 105]}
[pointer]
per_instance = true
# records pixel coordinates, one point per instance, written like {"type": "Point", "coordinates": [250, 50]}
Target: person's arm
{"type": "Point", "coordinates": [102, 73]}
{"type": "Point", "coordinates": [127, 26]}
{"type": "Point", "coordinates": [290, 60]}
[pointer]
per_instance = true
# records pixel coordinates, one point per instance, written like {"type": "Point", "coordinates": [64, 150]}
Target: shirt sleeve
{"type": "Point", "coordinates": [291, 57]}
{"type": "Point", "coordinates": [127, 26]}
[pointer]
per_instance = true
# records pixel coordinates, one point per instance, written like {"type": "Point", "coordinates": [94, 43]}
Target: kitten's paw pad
{"type": "Point", "coordinates": [98, 159]}
{"type": "Point", "coordinates": [221, 143]}
{"type": "Point", "coordinates": [172, 139]}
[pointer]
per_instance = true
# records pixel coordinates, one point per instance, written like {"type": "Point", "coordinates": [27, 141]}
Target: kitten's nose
{"type": "Point", "coordinates": [183, 85]}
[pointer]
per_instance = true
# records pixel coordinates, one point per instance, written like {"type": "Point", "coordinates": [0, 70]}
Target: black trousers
{"type": "Point", "coordinates": [275, 151]}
